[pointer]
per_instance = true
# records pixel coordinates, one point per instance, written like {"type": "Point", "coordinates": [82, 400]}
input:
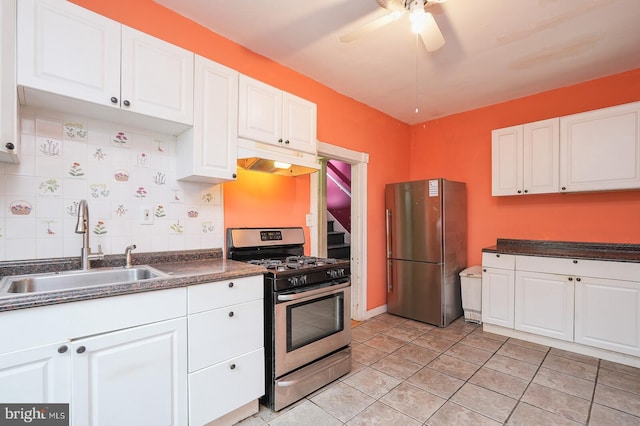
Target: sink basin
{"type": "Point", "coordinates": [67, 280]}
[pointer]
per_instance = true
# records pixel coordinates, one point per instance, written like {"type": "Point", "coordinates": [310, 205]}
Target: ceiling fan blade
{"type": "Point", "coordinates": [431, 35]}
{"type": "Point", "coordinates": [370, 26]}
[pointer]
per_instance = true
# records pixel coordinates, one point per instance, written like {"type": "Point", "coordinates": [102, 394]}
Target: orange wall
{"type": "Point", "coordinates": [458, 147]}
{"type": "Point", "coordinates": [257, 199]}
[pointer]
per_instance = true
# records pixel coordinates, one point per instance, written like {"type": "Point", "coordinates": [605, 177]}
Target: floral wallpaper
{"type": "Point", "coordinates": [127, 176]}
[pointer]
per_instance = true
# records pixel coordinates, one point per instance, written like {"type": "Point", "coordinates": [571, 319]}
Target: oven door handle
{"type": "Point", "coordinates": [310, 293]}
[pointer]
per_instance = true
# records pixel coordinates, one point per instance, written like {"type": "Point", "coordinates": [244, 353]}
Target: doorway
{"type": "Point", "coordinates": [318, 224]}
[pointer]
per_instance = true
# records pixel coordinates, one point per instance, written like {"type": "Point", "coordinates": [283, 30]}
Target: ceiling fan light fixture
{"type": "Point", "coordinates": [418, 17]}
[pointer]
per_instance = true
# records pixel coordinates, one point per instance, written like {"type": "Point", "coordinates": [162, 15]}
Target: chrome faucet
{"type": "Point", "coordinates": [127, 255]}
{"type": "Point", "coordinates": [82, 227]}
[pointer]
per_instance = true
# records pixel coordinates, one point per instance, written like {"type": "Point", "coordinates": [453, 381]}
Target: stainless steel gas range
{"type": "Point", "coordinates": [307, 312]}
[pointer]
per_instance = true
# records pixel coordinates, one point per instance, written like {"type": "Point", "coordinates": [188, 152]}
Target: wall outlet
{"type": "Point", "coordinates": [309, 218]}
{"type": "Point", "coordinates": [146, 215]}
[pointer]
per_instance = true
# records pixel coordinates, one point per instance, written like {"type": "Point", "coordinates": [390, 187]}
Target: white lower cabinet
{"type": "Point", "coordinates": [544, 304]}
{"type": "Point", "coordinates": [608, 314]}
{"type": "Point", "coordinates": [41, 374]}
{"type": "Point", "coordinates": [498, 289]}
{"type": "Point", "coordinates": [134, 376]}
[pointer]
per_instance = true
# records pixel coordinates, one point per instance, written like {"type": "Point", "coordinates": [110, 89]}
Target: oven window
{"type": "Point", "coordinates": [308, 322]}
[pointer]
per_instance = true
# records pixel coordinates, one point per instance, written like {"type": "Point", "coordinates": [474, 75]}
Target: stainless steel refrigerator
{"type": "Point", "coordinates": [426, 244]}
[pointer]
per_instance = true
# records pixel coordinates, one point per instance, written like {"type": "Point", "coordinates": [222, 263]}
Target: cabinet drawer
{"type": "Point", "coordinates": [223, 333]}
{"type": "Point", "coordinates": [221, 388]}
{"type": "Point", "coordinates": [498, 260]}
{"type": "Point", "coordinates": [224, 293]}
{"type": "Point", "coordinates": [627, 271]}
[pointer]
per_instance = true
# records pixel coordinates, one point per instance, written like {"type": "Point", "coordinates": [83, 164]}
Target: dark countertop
{"type": "Point", "coordinates": [575, 250]}
{"type": "Point", "coordinates": [184, 268]}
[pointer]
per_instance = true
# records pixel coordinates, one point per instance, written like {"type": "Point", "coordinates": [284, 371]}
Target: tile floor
{"type": "Point", "coordinates": [409, 373]}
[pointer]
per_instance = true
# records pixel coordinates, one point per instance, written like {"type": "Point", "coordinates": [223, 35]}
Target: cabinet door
{"type": "Point", "coordinates": [219, 389]}
{"type": "Point", "coordinates": [541, 154]}
{"type": "Point", "coordinates": [68, 50]}
{"type": "Point", "coordinates": [8, 99]}
{"type": "Point", "coordinates": [134, 376]}
{"type": "Point", "coordinates": [157, 77]}
{"type": "Point", "coordinates": [299, 123]}
{"type": "Point", "coordinates": [37, 375]}
{"type": "Point", "coordinates": [600, 149]}
{"type": "Point", "coordinates": [208, 153]}
{"type": "Point", "coordinates": [259, 111]}
{"type": "Point", "coordinates": [608, 314]}
{"type": "Point", "coordinates": [506, 161]}
{"type": "Point", "coordinates": [544, 304]}
{"type": "Point", "coordinates": [498, 296]}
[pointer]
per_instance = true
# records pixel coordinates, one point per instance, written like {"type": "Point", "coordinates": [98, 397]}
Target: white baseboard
{"type": "Point", "coordinates": [376, 311]}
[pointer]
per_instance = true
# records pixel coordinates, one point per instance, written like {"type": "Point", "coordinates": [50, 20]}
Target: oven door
{"type": "Point", "coordinates": [311, 324]}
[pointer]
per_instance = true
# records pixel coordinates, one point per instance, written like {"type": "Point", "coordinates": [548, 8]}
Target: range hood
{"type": "Point", "coordinates": [260, 157]}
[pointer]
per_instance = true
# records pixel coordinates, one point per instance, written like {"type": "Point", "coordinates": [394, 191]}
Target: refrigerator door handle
{"type": "Point", "coordinates": [387, 223]}
{"type": "Point", "coordinates": [389, 276]}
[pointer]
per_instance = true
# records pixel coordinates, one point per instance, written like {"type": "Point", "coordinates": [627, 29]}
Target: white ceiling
{"type": "Point", "coordinates": [495, 50]}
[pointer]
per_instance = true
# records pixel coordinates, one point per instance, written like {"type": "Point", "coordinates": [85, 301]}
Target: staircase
{"type": "Point", "coordinates": [337, 248]}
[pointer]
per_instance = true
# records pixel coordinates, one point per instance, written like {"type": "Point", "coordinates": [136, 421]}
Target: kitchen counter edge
{"type": "Point", "coordinates": [180, 274]}
{"type": "Point", "coordinates": [615, 252]}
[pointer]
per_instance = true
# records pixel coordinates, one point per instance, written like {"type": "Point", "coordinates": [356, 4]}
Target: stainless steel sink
{"type": "Point", "coordinates": [56, 281]}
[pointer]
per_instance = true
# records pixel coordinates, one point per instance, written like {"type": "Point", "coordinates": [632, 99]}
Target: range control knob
{"type": "Point", "coordinates": [336, 273]}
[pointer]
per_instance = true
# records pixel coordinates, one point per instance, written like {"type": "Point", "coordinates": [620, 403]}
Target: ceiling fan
{"type": "Point", "coordinates": [422, 22]}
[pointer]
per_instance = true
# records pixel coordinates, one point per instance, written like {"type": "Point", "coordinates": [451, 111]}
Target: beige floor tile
{"type": "Point", "coordinates": [620, 380]}
{"type": "Point", "coordinates": [454, 414]}
{"type": "Point", "coordinates": [414, 402]}
{"type": "Point", "coordinates": [421, 326]}
{"type": "Point", "coordinates": [379, 414]}
{"type": "Point", "coordinates": [392, 320]}
{"type": "Point", "coordinates": [565, 383]}
{"type": "Point", "coordinates": [450, 333]}
{"type": "Point", "coordinates": [488, 403]}
{"type": "Point", "coordinates": [627, 369]}
{"type": "Point", "coordinates": [342, 401]}
{"type": "Point", "coordinates": [379, 325]}
{"type": "Point", "coordinates": [554, 401]}
{"type": "Point", "coordinates": [306, 413]}
{"type": "Point", "coordinates": [512, 366]}
{"type": "Point", "coordinates": [418, 354]}
{"type": "Point", "coordinates": [480, 342]}
{"type": "Point", "coordinates": [574, 356]}
{"type": "Point", "coordinates": [363, 333]}
{"type": "Point", "coordinates": [355, 367]}
{"type": "Point", "coordinates": [605, 416]}
{"type": "Point", "coordinates": [404, 332]}
{"type": "Point", "coordinates": [454, 367]}
{"type": "Point", "coordinates": [480, 332]}
{"type": "Point", "coordinates": [434, 343]}
{"type": "Point", "coordinates": [499, 382]}
{"type": "Point", "coordinates": [530, 345]}
{"type": "Point", "coordinates": [436, 382]}
{"type": "Point", "coordinates": [365, 354]}
{"type": "Point", "coordinates": [469, 353]}
{"type": "Point", "coordinates": [461, 324]}
{"type": "Point", "coordinates": [522, 353]}
{"type": "Point", "coordinates": [396, 366]}
{"type": "Point", "coordinates": [569, 366]}
{"type": "Point", "coordinates": [618, 399]}
{"type": "Point", "coordinates": [385, 343]}
{"type": "Point", "coordinates": [372, 382]}
{"type": "Point", "coordinates": [528, 415]}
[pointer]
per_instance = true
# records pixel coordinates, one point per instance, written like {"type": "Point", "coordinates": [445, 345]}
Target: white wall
{"type": "Point", "coordinates": [67, 158]}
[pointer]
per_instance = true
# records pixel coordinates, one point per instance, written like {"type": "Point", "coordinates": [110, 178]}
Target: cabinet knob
{"type": "Point", "coordinates": [232, 366]}
{"type": "Point", "coordinates": [497, 255]}
{"type": "Point", "coordinates": [280, 140]}
{"type": "Point", "coordinates": [234, 176]}
{"type": "Point", "coordinates": [578, 279]}
{"type": "Point", "coordinates": [519, 191]}
{"type": "Point", "coordinates": [570, 278]}
{"type": "Point", "coordinates": [286, 142]}
{"type": "Point", "coordinates": [62, 349]}
{"type": "Point", "coordinates": [231, 314]}
{"type": "Point", "coordinates": [231, 284]}
{"type": "Point", "coordinates": [126, 103]}
{"type": "Point", "coordinates": [81, 349]}
{"type": "Point", "coordinates": [114, 100]}
{"type": "Point", "coordinates": [484, 270]}
{"type": "Point", "coordinates": [564, 188]}
{"type": "Point", "coordinates": [526, 191]}
{"type": "Point", "coordinates": [10, 146]}
{"type": "Point", "coordinates": [575, 261]}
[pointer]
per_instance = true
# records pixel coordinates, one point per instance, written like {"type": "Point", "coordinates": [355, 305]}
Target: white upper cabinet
{"type": "Point", "coordinates": [70, 51]}
{"type": "Point", "coordinates": [525, 158]}
{"type": "Point", "coordinates": [270, 115]}
{"type": "Point", "coordinates": [207, 152]}
{"type": "Point", "coordinates": [600, 150]}
{"type": "Point", "coordinates": [8, 98]}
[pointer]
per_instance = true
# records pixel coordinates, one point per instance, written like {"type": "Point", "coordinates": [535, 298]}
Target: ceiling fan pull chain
{"type": "Point", "coordinates": [417, 47]}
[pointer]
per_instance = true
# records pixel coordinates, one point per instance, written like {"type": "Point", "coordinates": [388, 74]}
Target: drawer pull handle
{"type": "Point", "coordinates": [81, 349]}
{"type": "Point", "coordinates": [62, 349]}
{"type": "Point", "coordinates": [232, 366]}
{"type": "Point", "coordinates": [575, 261]}
{"type": "Point", "coordinates": [578, 279]}
{"type": "Point", "coordinates": [570, 278]}
{"type": "Point", "coordinates": [231, 284]}
{"type": "Point", "coordinates": [231, 314]}
{"type": "Point", "coordinates": [497, 255]}
{"type": "Point", "coordinates": [484, 270]}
